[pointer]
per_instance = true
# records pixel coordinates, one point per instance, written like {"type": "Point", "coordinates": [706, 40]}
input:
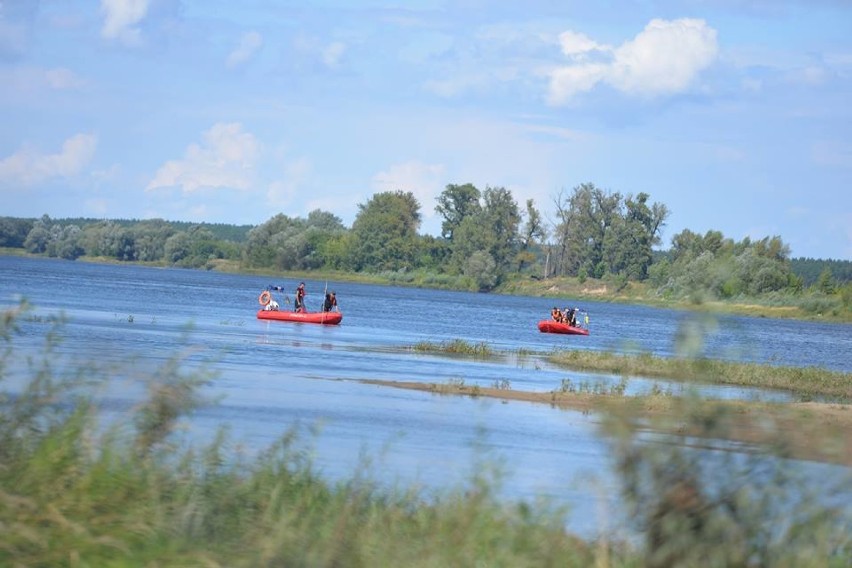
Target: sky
{"type": "Point", "coordinates": [735, 114]}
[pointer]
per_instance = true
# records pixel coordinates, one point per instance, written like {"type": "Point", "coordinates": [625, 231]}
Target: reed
{"type": "Point", "coordinates": [807, 382]}
{"type": "Point", "coordinates": [455, 347]}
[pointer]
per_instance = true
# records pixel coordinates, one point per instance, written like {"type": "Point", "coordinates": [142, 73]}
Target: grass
{"type": "Point", "coordinates": [806, 382]}
{"type": "Point", "coordinates": [454, 347]}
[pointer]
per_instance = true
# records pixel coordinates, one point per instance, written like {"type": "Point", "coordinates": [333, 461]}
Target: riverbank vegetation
{"type": "Point", "coordinates": [80, 489]}
{"type": "Point", "coordinates": [599, 245]}
{"type": "Point", "coordinates": [805, 383]}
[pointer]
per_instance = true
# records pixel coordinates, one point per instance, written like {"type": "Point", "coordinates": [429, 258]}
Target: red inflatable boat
{"type": "Point", "coordinates": [325, 318]}
{"type": "Point", "coordinates": [550, 326]}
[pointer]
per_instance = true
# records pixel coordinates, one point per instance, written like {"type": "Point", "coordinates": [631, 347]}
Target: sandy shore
{"type": "Point", "coordinates": [809, 430]}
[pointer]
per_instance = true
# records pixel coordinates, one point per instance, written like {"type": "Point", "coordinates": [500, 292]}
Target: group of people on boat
{"type": "Point", "coordinates": [567, 316]}
{"type": "Point", "coordinates": [329, 303]}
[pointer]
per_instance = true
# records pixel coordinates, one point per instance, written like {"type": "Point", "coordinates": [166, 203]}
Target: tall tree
{"type": "Point", "coordinates": [628, 242]}
{"type": "Point", "coordinates": [585, 218]}
{"type": "Point", "coordinates": [384, 233]}
{"type": "Point", "coordinates": [533, 232]}
{"type": "Point", "coordinates": [493, 232]}
{"type": "Point", "coordinates": [456, 203]}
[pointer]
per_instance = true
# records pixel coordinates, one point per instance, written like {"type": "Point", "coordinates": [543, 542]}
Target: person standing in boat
{"type": "Point", "coordinates": [299, 304]}
{"type": "Point", "coordinates": [330, 303]}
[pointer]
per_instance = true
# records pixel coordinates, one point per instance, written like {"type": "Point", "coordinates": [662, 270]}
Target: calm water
{"type": "Point", "coordinates": [272, 375]}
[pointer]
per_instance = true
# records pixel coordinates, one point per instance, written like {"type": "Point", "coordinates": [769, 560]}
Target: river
{"type": "Point", "coordinates": [272, 376]}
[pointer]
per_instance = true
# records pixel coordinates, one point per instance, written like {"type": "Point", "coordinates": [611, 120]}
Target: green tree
{"type": "Point", "coordinates": [493, 230]}
{"type": "Point", "coordinates": [39, 236]}
{"type": "Point", "coordinates": [628, 241]}
{"type": "Point", "coordinates": [590, 212]}
{"type": "Point", "coordinates": [384, 233]}
{"type": "Point", "coordinates": [825, 281]}
{"type": "Point", "coordinates": [456, 203]}
{"type": "Point", "coordinates": [14, 231]}
{"type": "Point", "coordinates": [533, 233]}
{"type": "Point", "coordinates": [65, 242]}
{"type": "Point", "coordinates": [150, 239]}
{"type": "Point", "coordinates": [502, 214]}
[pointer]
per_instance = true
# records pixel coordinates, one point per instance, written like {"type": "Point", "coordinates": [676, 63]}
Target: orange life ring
{"type": "Point", "coordinates": [265, 298]}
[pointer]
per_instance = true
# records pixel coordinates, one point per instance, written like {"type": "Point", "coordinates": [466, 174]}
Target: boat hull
{"type": "Point", "coordinates": [324, 318]}
{"type": "Point", "coordinates": [550, 326]}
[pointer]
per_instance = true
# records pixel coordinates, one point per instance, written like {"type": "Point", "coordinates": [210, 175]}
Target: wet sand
{"type": "Point", "coordinates": [807, 430]}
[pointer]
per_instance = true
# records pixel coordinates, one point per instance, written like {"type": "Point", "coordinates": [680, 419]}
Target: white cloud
{"type": "Point", "coordinates": [425, 181]}
{"type": "Point", "coordinates": [250, 43]}
{"type": "Point", "coordinates": [28, 166]}
{"type": "Point", "coordinates": [225, 159]}
{"type": "Point", "coordinates": [565, 82]}
{"type": "Point", "coordinates": [579, 45]}
{"type": "Point", "coordinates": [663, 59]}
{"type": "Point", "coordinates": [121, 18]}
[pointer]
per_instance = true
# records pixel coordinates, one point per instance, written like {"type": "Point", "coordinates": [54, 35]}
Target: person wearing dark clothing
{"type": "Point", "coordinates": [571, 317]}
{"type": "Point", "coordinates": [330, 303]}
{"type": "Point", "coordinates": [300, 298]}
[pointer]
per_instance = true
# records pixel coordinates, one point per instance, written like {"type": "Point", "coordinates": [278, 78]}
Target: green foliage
{"type": "Point", "coordinates": [718, 268]}
{"type": "Point", "coordinates": [14, 231]}
{"type": "Point", "coordinates": [384, 233]}
{"type": "Point", "coordinates": [455, 347]}
{"type": "Point", "coordinates": [712, 507]}
{"type": "Point", "coordinates": [293, 243]}
{"type": "Point", "coordinates": [456, 203]}
{"type": "Point", "coordinates": [825, 282]}
{"type": "Point", "coordinates": [810, 269]}
{"type": "Point", "coordinates": [485, 243]}
{"type": "Point", "coordinates": [604, 233]}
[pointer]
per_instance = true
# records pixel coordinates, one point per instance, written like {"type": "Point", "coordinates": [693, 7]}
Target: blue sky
{"type": "Point", "coordinates": [735, 114]}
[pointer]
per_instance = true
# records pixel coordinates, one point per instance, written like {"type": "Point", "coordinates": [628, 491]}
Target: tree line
{"type": "Point", "coordinates": [486, 239]}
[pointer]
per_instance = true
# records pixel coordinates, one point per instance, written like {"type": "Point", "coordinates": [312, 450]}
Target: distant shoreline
{"type": "Point", "coordinates": [551, 288]}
